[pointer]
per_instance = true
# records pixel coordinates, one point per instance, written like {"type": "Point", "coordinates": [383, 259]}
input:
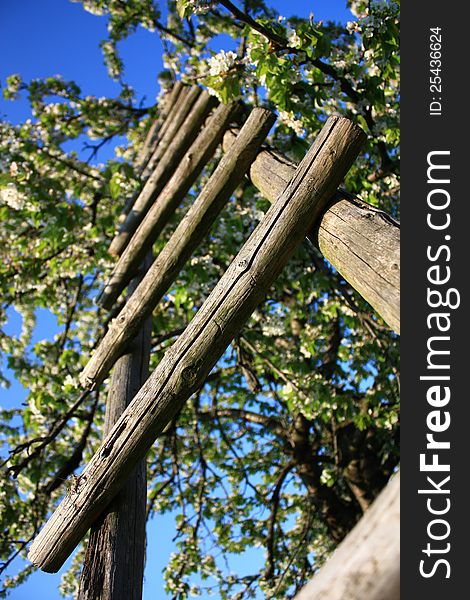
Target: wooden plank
{"type": "Point", "coordinates": [188, 235]}
{"type": "Point", "coordinates": [180, 95]}
{"type": "Point", "coordinates": [153, 137]}
{"type": "Point", "coordinates": [186, 364]}
{"type": "Point", "coordinates": [171, 155]}
{"type": "Point", "coordinates": [172, 126]}
{"type": "Point", "coordinates": [159, 126]}
{"type": "Point", "coordinates": [360, 241]}
{"type": "Point", "coordinates": [170, 198]}
{"type": "Point", "coordinates": [366, 565]}
{"type": "Point", "coordinates": [114, 562]}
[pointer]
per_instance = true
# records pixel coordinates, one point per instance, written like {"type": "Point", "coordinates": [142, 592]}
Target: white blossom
{"type": "Point", "coordinates": [54, 108]}
{"type": "Point", "coordinates": [12, 197]}
{"type": "Point", "coordinates": [288, 119]}
{"type": "Point", "coordinates": [293, 38]}
{"type": "Point", "coordinates": [249, 49]}
{"type": "Point", "coordinates": [352, 26]}
{"type": "Point", "coordinates": [214, 93]}
{"type": "Point", "coordinates": [200, 6]}
{"type": "Point", "coordinates": [14, 169]}
{"type": "Point", "coordinates": [221, 62]}
{"type": "Point", "coordinates": [69, 380]}
{"type": "Point", "coordinates": [92, 8]}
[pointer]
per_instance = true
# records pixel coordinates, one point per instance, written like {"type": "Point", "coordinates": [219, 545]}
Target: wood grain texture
{"type": "Point", "coordinates": [171, 155]}
{"type": "Point", "coordinates": [114, 562]}
{"type": "Point", "coordinates": [360, 241]}
{"type": "Point", "coordinates": [366, 565]}
{"type": "Point", "coordinates": [171, 107]}
{"type": "Point", "coordinates": [158, 127]}
{"type": "Point", "coordinates": [186, 364]}
{"type": "Point", "coordinates": [167, 202]}
{"type": "Point", "coordinates": [184, 105]}
{"type": "Point", "coordinates": [152, 139]}
{"type": "Point", "coordinates": [188, 235]}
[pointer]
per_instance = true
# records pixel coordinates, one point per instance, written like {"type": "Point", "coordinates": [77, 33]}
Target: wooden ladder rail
{"type": "Point", "coordinates": [151, 141]}
{"type": "Point", "coordinates": [165, 204]}
{"type": "Point", "coordinates": [186, 364]}
{"type": "Point", "coordinates": [359, 240]}
{"type": "Point", "coordinates": [171, 154]}
{"type": "Point", "coordinates": [186, 238]}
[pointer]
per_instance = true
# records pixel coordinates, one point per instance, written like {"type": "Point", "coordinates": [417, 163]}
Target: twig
{"type": "Point", "coordinates": [272, 518]}
{"type": "Point", "coordinates": [45, 440]}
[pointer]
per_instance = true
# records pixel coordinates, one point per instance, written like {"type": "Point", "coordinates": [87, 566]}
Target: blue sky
{"type": "Point", "coordinates": [41, 38]}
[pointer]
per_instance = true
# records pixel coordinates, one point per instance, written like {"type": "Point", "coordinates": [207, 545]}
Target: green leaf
{"type": "Point", "coordinates": [183, 8]}
{"type": "Point", "coordinates": [114, 188]}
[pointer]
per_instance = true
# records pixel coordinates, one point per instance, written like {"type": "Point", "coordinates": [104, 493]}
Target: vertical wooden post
{"type": "Point", "coordinates": [115, 557]}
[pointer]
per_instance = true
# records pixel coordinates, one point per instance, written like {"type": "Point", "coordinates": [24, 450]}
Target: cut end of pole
{"type": "Point", "coordinates": [44, 565]}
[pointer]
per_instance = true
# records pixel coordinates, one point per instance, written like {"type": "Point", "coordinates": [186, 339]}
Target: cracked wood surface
{"type": "Point", "coordinates": [188, 235]}
{"type": "Point", "coordinates": [186, 364]}
{"type": "Point", "coordinates": [360, 241]}
{"type": "Point", "coordinates": [114, 562]}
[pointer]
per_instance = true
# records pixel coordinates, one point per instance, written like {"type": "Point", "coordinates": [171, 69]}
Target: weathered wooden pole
{"type": "Point", "coordinates": [158, 127]}
{"type": "Point", "coordinates": [188, 235]}
{"type": "Point", "coordinates": [115, 556]}
{"type": "Point", "coordinates": [152, 139]}
{"type": "Point", "coordinates": [366, 565]}
{"type": "Point", "coordinates": [167, 202]}
{"type": "Point", "coordinates": [360, 241]}
{"type": "Point", "coordinates": [186, 364]}
{"type": "Point", "coordinates": [175, 150]}
{"type": "Point", "coordinates": [185, 103]}
{"type": "Point", "coordinates": [177, 116]}
{"type": "Point", "coordinates": [178, 94]}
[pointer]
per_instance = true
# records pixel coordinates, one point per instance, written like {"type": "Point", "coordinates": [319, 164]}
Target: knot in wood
{"type": "Point", "coordinates": [189, 374]}
{"type": "Point", "coordinates": [76, 484]}
{"type": "Point", "coordinates": [242, 264]}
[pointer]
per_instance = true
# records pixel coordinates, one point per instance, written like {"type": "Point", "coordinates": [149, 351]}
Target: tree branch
{"type": "Point", "coordinates": [272, 518]}
{"type": "Point", "coordinates": [273, 37]}
{"type": "Point", "coordinates": [54, 431]}
{"type": "Point", "coordinates": [270, 423]}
